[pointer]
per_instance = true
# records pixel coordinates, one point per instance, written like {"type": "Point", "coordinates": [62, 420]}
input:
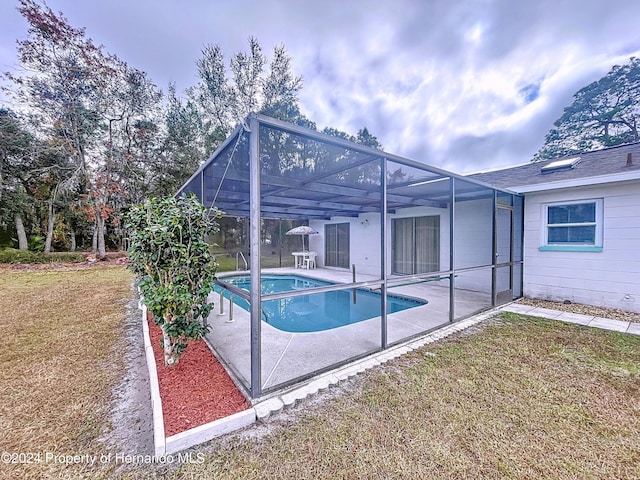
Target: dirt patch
{"type": "Point", "coordinates": [583, 309]}
{"type": "Point", "coordinates": [196, 391]}
{"type": "Point", "coordinates": [131, 415]}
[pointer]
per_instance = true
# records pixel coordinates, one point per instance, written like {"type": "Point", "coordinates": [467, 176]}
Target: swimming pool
{"type": "Point", "coordinates": [318, 311]}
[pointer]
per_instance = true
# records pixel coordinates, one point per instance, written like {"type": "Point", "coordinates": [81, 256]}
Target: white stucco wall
{"type": "Point", "coordinates": [473, 243]}
{"type": "Point", "coordinates": [610, 278]}
{"type": "Point", "coordinates": [473, 239]}
{"type": "Point", "coordinates": [364, 240]}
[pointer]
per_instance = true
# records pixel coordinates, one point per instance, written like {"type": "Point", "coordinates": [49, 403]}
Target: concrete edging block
{"type": "Point", "coordinates": [159, 440]}
{"type": "Point", "coordinates": [308, 390]}
{"type": "Point", "coordinates": [420, 343]}
{"type": "Point", "coordinates": [350, 371]}
{"type": "Point", "coordinates": [385, 357]}
{"type": "Point", "coordinates": [332, 379]}
{"type": "Point", "coordinates": [208, 431]}
{"type": "Point", "coordinates": [369, 364]}
{"type": "Point", "coordinates": [320, 384]}
{"type": "Point", "coordinates": [289, 400]}
{"type": "Point", "coordinates": [264, 410]}
{"type": "Point", "coordinates": [403, 350]}
{"type": "Point", "coordinates": [347, 373]}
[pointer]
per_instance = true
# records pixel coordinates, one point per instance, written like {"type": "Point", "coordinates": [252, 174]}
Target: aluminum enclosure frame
{"type": "Point", "coordinates": [254, 192]}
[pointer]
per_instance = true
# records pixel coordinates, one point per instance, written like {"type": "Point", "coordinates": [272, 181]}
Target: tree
{"type": "Point", "coordinates": [281, 90]}
{"type": "Point", "coordinates": [15, 154]}
{"type": "Point", "coordinates": [87, 104]}
{"type": "Point", "coordinates": [32, 171]}
{"type": "Point", "coordinates": [603, 114]}
{"type": "Point", "coordinates": [175, 269]}
{"type": "Point", "coordinates": [213, 94]}
{"type": "Point", "coordinates": [225, 101]}
{"type": "Point", "coordinates": [66, 77]}
{"type": "Point", "coordinates": [364, 137]}
{"type": "Point", "coordinates": [246, 91]}
{"type": "Point", "coordinates": [15, 143]}
{"type": "Point", "coordinates": [183, 147]}
{"type": "Point", "coordinates": [127, 149]}
{"type": "Point", "coordinates": [47, 183]}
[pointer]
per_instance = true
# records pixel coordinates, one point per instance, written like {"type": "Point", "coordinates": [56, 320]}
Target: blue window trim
{"type": "Point", "coordinates": [570, 248]}
{"type": "Point", "coordinates": [558, 247]}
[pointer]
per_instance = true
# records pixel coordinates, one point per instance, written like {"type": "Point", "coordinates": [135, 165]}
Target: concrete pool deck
{"type": "Point", "coordinates": [287, 355]}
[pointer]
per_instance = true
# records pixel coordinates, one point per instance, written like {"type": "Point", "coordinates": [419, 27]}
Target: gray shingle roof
{"type": "Point", "coordinates": [592, 164]}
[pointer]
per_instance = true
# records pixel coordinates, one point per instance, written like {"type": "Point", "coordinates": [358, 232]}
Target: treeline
{"type": "Point", "coordinates": [87, 134]}
{"type": "Point", "coordinates": [605, 113]}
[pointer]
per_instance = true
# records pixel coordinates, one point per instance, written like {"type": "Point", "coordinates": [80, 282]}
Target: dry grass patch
{"type": "Point", "coordinates": [523, 398]}
{"type": "Point", "coordinates": [580, 308]}
{"type": "Point", "coordinates": [60, 329]}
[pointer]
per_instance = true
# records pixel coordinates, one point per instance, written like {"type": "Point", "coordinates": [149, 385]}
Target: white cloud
{"type": "Point", "coordinates": [461, 85]}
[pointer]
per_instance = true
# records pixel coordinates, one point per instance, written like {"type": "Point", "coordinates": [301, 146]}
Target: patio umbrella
{"type": "Point", "coordinates": [302, 231]}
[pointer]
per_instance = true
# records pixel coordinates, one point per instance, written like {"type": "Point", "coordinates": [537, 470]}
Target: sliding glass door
{"type": "Point", "coordinates": [416, 245]}
{"type": "Point", "coordinates": [336, 245]}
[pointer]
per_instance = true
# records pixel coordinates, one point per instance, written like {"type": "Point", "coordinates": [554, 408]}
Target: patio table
{"type": "Point", "coordinates": [299, 257]}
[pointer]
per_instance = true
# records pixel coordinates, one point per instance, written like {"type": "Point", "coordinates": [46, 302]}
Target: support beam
{"type": "Point", "coordinates": [342, 168]}
{"type": "Point", "coordinates": [254, 236]}
{"type": "Point", "coordinates": [452, 230]}
{"type": "Point", "coordinates": [383, 257]}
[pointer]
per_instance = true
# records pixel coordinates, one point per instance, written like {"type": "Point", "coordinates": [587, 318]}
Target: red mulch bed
{"type": "Point", "coordinates": [196, 391]}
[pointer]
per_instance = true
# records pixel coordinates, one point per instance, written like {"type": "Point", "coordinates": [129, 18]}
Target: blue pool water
{"type": "Point", "coordinates": [318, 311]}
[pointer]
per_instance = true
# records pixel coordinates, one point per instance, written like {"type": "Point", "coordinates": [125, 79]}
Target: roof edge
{"type": "Point", "coordinates": [578, 182]}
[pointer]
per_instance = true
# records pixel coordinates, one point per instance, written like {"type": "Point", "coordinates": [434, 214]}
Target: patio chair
{"type": "Point", "coordinates": [310, 260]}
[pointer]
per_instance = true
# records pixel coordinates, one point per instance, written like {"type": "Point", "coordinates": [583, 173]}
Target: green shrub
{"type": "Point", "coordinates": [36, 244]}
{"type": "Point", "coordinates": [175, 268]}
{"type": "Point", "coordinates": [12, 255]}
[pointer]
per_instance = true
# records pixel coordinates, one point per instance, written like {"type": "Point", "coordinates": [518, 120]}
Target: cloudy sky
{"type": "Point", "coordinates": [465, 85]}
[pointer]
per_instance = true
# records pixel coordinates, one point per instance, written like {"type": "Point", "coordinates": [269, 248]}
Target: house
{"type": "Point", "coordinates": [581, 226]}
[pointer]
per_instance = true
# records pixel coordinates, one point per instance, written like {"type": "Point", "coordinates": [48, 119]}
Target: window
{"type": "Point", "coordinates": [336, 245]}
{"type": "Point", "coordinates": [573, 226]}
{"type": "Point", "coordinates": [416, 245]}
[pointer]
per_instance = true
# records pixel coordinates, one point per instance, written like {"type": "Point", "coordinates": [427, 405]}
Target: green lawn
{"type": "Point", "coordinates": [227, 262]}
{"type": "Point", "coordinates": [516, 398]}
